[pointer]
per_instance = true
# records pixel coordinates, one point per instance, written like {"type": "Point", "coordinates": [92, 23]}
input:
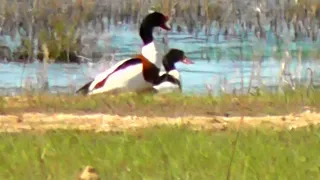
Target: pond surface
{"type": "Point", "coordinates": [218, 63]}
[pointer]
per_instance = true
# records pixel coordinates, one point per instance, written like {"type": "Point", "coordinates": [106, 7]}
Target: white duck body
{"type": "Point", "coordinates": [129, 78]}
{"type": "Point", "coordinates": [154, 53]}
{"type": "Point", "coordinates": [126, 79]}
{"type": "Point", "coordinates": [166, 86]}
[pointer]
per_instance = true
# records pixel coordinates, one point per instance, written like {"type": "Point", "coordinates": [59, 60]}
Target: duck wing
{"type": "Point", "coordinates": [101, 78]}
{"type": "Point", "coordinates": [84, 90]}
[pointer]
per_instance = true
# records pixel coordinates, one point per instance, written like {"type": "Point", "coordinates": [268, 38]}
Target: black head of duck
{"type": "Point", "coordinates": [152, 20]}
{"type": "Point", "coordinates": [174, 56]}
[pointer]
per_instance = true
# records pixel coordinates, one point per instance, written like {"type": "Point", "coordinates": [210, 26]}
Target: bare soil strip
{"type": "Point", "coordinates": [105, 122]}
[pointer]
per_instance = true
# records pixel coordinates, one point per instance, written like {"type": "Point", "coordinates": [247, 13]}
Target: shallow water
{"type": "Point", "coordinates": [218, 68]}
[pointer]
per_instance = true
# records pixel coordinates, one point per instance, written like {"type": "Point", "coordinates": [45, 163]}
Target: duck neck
{"type": "Point", "coordinates": [146, 34]}
{"type": "Point", "coordinates": [167, 65]}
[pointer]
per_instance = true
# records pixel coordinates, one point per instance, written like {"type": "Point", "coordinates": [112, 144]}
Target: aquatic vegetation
{"type": "Point", "coordinates": [61, 24]}
{"type": "Point", "coordinates": [253, 30]}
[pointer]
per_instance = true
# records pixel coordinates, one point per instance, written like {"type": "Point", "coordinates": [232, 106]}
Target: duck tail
{"type": "Point", "coordinates": [84, 90]}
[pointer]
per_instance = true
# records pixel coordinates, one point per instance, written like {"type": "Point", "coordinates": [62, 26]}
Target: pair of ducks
{"type": "Point", "coordinates": [142, 72]}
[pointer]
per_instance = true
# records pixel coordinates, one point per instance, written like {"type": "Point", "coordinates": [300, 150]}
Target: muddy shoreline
{"type": "Point", "coordinates": [106, 123]}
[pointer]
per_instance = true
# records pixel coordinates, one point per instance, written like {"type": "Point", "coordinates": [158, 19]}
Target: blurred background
{"type": "Point", "coordinates": [238, 46]}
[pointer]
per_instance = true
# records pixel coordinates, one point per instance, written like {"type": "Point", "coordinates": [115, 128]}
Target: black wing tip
{"type": "Point", "coordinates": [84, 90]}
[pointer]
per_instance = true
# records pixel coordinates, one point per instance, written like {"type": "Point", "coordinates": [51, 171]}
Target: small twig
{"type": "Point", "coordinates": [24, 67]}
{"type": "Point", "coordinates": [83, 57]}
{"type": "Point", "coordinates": [310, 84]}
{"type": "Point", "coordinates": [234, 149]}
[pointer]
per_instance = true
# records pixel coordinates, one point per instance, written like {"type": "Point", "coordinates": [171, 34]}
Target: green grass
{"type": "Point", "coordinates": [264, 103]}
{"type": "Point", "coordinates": [163, 153]}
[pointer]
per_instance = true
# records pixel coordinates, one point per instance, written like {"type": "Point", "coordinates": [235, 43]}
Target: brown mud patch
{"type": "Point", "coordinates": [106, 123]}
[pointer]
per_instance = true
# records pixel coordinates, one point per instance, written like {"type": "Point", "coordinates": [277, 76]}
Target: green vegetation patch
{"type": "Point", "coordinates": [163, 153]}
{"type": "Point", "coordinates": [262, 103]}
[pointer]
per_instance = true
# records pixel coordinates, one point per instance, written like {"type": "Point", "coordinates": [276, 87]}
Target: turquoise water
{"type": "Point", "coordinates": [217, 67]}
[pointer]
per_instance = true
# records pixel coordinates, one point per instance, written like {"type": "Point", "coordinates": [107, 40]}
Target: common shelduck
{"type": "Point", "coordinates": [169, 80]}
{"type": "Point", "coordinates": [137, 73]}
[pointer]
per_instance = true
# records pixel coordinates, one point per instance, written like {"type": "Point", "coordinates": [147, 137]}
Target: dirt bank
{"type": "Point", "coordinates": [104, 122]}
